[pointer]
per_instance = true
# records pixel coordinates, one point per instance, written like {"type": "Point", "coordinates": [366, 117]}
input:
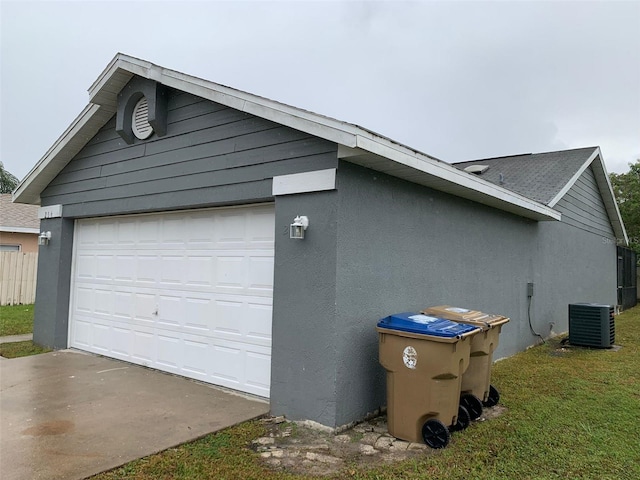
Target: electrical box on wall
{"type": "Point", "coordinates": [529, 289]}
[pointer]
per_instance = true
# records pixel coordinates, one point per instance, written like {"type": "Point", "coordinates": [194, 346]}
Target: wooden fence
{"type": "Point", "coordinates": [18, 273]}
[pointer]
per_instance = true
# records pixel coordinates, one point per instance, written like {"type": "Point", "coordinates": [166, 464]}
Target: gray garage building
{"type": "Point", "coordinates": [169, 202]}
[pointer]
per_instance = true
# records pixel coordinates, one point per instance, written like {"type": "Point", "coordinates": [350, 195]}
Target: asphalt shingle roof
{"type": "Point", "coordinates": [539, 176]}
{"type": "Point", "coordinates": [17, 214]}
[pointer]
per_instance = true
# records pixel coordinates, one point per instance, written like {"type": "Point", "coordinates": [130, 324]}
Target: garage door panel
{"type": "Point", "coordinates": [125, 268]}
{"type": "Point", "coordinates": [185, 292]}
{"type": "Point", "coordinates": [147, 268]}
{"type": "Point", "coordinates": [258, 369]}
{"type": "Point", "coordinates": [143, 346]}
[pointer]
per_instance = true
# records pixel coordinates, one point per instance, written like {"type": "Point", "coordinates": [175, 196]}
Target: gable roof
{"type": "Point", "coordinates": [17, 218]}
{"type": "Point", "coordinates": [355, 144]}
{"type": "Point", "coordinates": [547, 177]}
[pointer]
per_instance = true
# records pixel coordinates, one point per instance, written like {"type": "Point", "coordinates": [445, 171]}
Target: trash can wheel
{"type": "Point", "coordinates": [435, 434]}
{"type": "Point", "coordinates": [493, 397]}
{"type": "Point", "coordinates": [463, 420]}
{"type": "Point", "coordinates": [472, 404]}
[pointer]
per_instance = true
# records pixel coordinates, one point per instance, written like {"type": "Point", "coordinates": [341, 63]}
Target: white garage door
{"type": "Point", "coordinates": [185, 292]}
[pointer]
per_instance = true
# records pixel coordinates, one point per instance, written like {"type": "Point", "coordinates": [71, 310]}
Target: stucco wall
{"type": "Point", "coordinates": [303, 358]}
{"type": "Point", "coordinates": [402, 247]}
{"type": "Point", "coordinates": [28, 241]}
{"type": "Point", "coordinates": [51, 312]}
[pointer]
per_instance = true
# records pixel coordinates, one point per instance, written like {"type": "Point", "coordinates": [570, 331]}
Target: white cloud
{"type": "Point", "coordinates": [455, 80]}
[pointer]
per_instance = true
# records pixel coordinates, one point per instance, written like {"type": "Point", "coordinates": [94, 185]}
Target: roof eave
{"type": "Point", "coordinates": [400, 160]}
{"type": "Point", "coordinates": [76, 136]}
{"type": "Point", "coordinates": [443, 177]}
{"type": "Point", "coordinates": [606, 192]}
{"type": "Point", "coordinates": [609, 199]}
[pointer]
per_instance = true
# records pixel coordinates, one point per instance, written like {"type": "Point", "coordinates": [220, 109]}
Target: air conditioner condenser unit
{"type": "Point", "coordinates": [591, 325]}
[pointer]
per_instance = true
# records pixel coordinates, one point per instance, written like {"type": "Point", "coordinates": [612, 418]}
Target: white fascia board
{"type": "Point", "coordinates": [22, 193]}
{"type": "Point", "coordinates": [609, 198]}
{"type": "Point", "coordinates": [132, 65]}
{"type": "Point", "coordinates": [311, 123]}
{"type": "Point", "coordinates": [316, 181]}
{"type": "Point", "coordinates": [451, 174]}
{"type": "Point", "coordinates": [574, 178]}
{"type": "Point", "coordinates": [19, 230]}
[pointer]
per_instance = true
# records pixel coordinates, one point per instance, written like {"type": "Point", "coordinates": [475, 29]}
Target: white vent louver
{"type": "Point", "coordinates": [140, 125]}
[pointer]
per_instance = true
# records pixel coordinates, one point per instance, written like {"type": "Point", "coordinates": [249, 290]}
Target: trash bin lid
{"type": "Point", "coordinates": [425, 324]}
{"type": "Point", "coordinates": [473, 317]}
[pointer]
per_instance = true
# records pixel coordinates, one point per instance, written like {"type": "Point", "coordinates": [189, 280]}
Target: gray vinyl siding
{"type": "Point", "coordinates": [582, 206]}
{"type": "Point", "coordinates": [211, 155]}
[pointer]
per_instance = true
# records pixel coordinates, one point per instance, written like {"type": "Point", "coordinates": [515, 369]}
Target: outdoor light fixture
{"type": "Point", "coordinates": [43, 238]}
{"type": "Point", "coordinates": [299, 225]}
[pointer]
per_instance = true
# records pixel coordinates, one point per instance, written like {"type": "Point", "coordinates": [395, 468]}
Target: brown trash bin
{"type": "Point", "coordinates": [476, 381]}
{"type": "Point", "coordinates": [424, 359]}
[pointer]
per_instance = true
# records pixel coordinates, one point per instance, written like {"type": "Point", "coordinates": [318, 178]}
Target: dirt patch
{"type": "Point", "coordinates": [55, 427]}
{"type": "Point", "coordinates": [301, 449]}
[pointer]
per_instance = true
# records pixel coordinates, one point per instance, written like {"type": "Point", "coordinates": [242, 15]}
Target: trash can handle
{"type": "Point", "coordinates": [466, 334]}
{"type": "Point", "coordinates": [500, 322]}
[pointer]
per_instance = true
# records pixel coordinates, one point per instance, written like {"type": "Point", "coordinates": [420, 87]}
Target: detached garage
{"type": "Point", "coordinates": [167, 207]}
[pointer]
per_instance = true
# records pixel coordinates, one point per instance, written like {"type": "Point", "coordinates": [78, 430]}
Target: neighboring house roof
{"type": "Point", "coordinates": [547, 177]}
{"type": "Point", "coordinates": [16, 217]}
{"type": "Point", "coordinates": [355, 144]}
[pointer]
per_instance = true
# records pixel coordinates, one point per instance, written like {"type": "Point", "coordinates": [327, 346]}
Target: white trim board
{"type": "Point", "coordinates": [317, 181]}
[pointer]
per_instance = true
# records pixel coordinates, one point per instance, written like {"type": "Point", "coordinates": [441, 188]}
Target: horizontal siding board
{"type": "Point", "coordinates": [582, 226]}
{"type": "Point", "coordinates": [106, 133]}
{"type": "Point", "coordinates": [208, 148]}
{"type": "Point", "coordinates": [248, 192]}
{"type": "Point", "coordinates": [271, 154]}
{"type": "Point", "coordinates": [583, 207]}
{"type": "Point", "coordinates": [208, 136]}
{"type": "Point", "coordinates": [195, 110]}
{"type": "Point", "coordinates": [117, 143]}
{"type": "Point", "coordinates": [204, 122]}
{"type": "Point", "coordinates": [106, 158]}
{"type": "Point", "coordinates": [596, 212]}
{"type": "Point", "coordinates": [178, 99]}
{"type": "Point", "coordinates": [76, 176]}
{"type": "Point", "coordinates": [578, 214]}
{"type": "Point", "coordinates": [218, 148]}
{"type": "Point", "coordinates": [587, 203]}
{"type": "Point", "coordinates": [230, 176]}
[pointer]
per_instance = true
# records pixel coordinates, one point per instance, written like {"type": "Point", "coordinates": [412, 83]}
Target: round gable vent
{"type": "Point", "coordinates": [140, 125]}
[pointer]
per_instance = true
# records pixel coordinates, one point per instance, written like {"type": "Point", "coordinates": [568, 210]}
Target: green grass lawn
{"type": "Point", "coordinates": [572, 413]}
{"type": "Point", "coordinates": [21, 349]}
{"type": "Point", "coordinates": [16, 319]}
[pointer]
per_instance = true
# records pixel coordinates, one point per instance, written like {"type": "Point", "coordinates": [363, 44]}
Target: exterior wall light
{"type": "Point", "coordinates": [43, 238]}
{"type": "Point", "coordinates": [299, 225]}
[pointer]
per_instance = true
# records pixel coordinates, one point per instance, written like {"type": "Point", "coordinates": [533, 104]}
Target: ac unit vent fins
{"type": "Point", "coordinates": [140, 125]}
{"type": "Point", "coordinates": [591, 325]}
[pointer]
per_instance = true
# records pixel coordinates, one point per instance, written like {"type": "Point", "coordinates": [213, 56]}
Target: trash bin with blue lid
{"type": "Point", "coordinates": [476, 389]}
{"type": "Point", "coordinates": [424, 357]}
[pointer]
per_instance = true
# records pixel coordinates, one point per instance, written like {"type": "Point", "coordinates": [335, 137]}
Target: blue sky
{"type": "Point", "coordinates": [456, 80]}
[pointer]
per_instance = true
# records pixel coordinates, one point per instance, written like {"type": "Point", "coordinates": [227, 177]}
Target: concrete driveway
{"type": "Point", "coordinates": [69, 415]}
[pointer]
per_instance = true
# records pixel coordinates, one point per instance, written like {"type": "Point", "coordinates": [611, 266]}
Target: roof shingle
{"type": "Point", "coordinates": [17, 215]}
{"type": "Point", "coordinates": [539, 176]}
